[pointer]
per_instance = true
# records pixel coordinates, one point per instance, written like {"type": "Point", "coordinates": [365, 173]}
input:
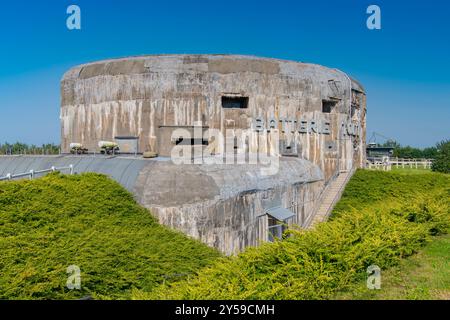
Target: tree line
{"type": "Point", "coordinates": [439, 153]}
{"type": "Point", "coordinates": [23, 148]}
{"type": "Point", "coordinates": [409, 152]}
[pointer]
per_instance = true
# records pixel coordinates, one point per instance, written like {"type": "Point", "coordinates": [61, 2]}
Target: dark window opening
{"type": "Point", "coordinates": [328, 106]}
{"type": "Point", "coordinates": [235, 102]}
{"type": "Point", "coordinates": [353, 111]}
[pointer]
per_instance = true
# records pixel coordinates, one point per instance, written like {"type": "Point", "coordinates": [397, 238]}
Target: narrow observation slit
{"type": "Point", "coordinates": [191, 142]}
{"type": "Point", "coordinates": [235, 102]}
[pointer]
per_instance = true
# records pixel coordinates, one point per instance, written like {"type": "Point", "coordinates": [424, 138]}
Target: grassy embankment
{"type": "Point", "coordinates": [425, 275]}
{"type": "Point", "coordinates": [382, 218]}
{"type": "Point", "coordinates": [90, 221]}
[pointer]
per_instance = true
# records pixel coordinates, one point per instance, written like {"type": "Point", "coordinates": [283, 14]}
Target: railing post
{"type": "Point", "coordinates": [31, 174]}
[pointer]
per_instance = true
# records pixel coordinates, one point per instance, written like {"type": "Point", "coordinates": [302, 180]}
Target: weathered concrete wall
{"type": "Point", "coordinates": [222, 205]}
{"type": "Point", "coordinates": [134, 96]}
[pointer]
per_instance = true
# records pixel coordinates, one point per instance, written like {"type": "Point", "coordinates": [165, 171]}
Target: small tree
{"type": "Point", "coordinates": [391, 143]}
{"type": "Point", "coordinates": [407, 152]}
{"type": "Point", "coordinates": [429, 153]}
{"type": "Point", "coordinates": [442, 159]}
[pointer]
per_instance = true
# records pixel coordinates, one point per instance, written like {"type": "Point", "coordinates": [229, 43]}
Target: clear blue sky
{"type": "Point", "coordinates": [405, 67]}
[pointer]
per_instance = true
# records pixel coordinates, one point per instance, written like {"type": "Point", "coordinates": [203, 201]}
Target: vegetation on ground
{"type": "Point", "coordinates": [441, 162]}
{"type": "Point", "coordinates": [382, 218]}
{"type": "Point", "coordinates": [410, 171]}
{"type": "Point", "coordinates": [88, 220]}
{"type": "Point", "coordinates": [425, 275]}
{"type": "Point", "coordinates": [369, 188]}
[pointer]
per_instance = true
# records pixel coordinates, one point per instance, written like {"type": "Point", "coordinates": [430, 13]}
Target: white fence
{"type": "Point", "coordinates": [387, 163]}
{"type": "Point", "coordinates": [31, 174]}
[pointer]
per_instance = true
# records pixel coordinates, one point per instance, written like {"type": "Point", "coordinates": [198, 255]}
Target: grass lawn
{"type": "Point", "coordinates": [411, 171]}
{"type": "Point", "coordinates": [425, 275]}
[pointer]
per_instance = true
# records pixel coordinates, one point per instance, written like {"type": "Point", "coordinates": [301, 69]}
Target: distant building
{"type": "Point", "coordinates": [375, 151]}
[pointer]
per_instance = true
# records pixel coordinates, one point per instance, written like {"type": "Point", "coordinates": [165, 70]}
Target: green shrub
{"type": "Point", "coordinates": [382, 218]}
{"type": "Point", "coordinates": [92, 222]}
{"type": "Point", "coordinates": [441, 162]}
{"type": "Point", "coordinates": [368, 187]}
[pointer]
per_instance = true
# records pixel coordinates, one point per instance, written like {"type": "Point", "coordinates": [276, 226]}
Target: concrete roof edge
{"type": "Point", "coordinates": [74, 72]}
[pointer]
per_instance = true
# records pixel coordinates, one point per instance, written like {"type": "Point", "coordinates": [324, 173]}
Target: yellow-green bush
{"type": "Point", "coordinates": [382, 218]}
{"type": "Point", "coordinates": [90, 221]}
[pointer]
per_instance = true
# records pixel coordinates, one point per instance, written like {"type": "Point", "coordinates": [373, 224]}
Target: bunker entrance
{"type": "Point", "coordinates": [276, 229]}
{"type": "Point", "coordinates": [277, 222]}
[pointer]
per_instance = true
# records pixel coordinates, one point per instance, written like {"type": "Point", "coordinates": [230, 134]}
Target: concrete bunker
{"type": "Point", "coordinates": [318, 112]}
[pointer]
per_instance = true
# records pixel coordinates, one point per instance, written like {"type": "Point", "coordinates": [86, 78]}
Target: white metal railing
{"type": "Point", "coordinates": [411, 163]}
{"type": "Point", "coordinates": [387, 163]}
{"type": "Point", "coordinates": [309, 219]}
{"type": "Point", "coordinates": [32, 173]}
{"type": "Point", "coordinates": [340, 191]}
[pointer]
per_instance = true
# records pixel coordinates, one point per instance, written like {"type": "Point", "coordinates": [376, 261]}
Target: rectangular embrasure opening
{"type": "Point", "coordinates": [234, 102]}
{"type": "Point", "coordinates": [328, 106]}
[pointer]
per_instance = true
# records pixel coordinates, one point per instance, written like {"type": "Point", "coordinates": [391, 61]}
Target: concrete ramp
{"type": "Point", "coordinates": [331, 195]}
